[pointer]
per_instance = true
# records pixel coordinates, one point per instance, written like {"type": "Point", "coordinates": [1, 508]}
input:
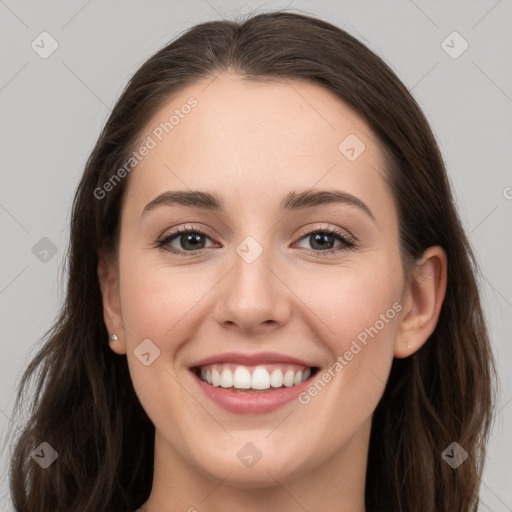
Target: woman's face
{"type": "Point", "coordinates": [259, 284]}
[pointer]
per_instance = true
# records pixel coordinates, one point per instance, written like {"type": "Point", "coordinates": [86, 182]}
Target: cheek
{"type": "Point", "coordinates": [362, 319]}
{"type": "Point", "coordinates": [359, 310]}
{"type": "Point", "coordinates": [158, 303]}
{"type": "Point", "coordinates": [162, 302]}
{"type": "Point", "coordinates": [351, 301]}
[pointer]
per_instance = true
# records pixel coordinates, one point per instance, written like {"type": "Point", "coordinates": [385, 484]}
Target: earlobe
{"type": "Point", "coordinates": [108, 277]}
{"type": "Point", "coordinates": [424, 297]}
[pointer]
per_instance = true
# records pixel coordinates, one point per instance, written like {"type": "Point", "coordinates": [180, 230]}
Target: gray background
{"type": "Point", "coordinates": [52, 110]}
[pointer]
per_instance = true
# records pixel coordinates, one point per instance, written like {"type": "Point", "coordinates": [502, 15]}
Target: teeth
{"type": "Point", "coordinates": [288, 378]}
{"type": "Point", "coordinates": [241, 378]}
{"type": "Point", "coordinates": [226, 379]}
{"type": "Point", "coordinates": [276, 378]}
{"type": "Point", "coordinates": [215, 378]}
{"type": "Point", "coordinates": [260, 379]}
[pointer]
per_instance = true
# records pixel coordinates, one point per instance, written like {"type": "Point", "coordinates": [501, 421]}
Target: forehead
{"type": "Point", "coordinates": [245, 136]}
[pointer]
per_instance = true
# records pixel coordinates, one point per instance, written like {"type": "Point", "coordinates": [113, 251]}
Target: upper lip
{"type": "Point", "coordinates": [251, 359]}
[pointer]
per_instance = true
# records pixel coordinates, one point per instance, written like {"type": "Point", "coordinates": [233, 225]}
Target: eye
{"type": "Point", "coordinates": [322, 240]}
{"type": "Point", "coordinates": [192, 240]}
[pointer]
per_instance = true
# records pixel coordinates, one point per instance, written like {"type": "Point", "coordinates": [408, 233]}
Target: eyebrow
{"type": "Point", "coordinates": [295, 200]}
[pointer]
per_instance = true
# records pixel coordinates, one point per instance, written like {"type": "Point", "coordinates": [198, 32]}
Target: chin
{"type": "Point", "coordinates": [254, 474]}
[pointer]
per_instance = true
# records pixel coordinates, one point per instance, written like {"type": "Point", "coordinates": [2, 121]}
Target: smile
{"type": "Point", "coordinates": [252, 383]}
{"type": "Point", "coordinates": [255, 378]}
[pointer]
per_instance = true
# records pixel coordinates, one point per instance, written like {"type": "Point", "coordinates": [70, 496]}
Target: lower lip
{"type": "Point", "coordinates": [252, 402]}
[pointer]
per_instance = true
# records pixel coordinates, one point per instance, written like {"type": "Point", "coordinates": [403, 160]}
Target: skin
{"type": "Point", "coordinates": [252, 143]}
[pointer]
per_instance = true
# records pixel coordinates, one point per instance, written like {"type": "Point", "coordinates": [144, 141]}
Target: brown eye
{"type": "Point", "coordinates": [323, 240]}
{"type": "Point", "coordinates": [188, 240]}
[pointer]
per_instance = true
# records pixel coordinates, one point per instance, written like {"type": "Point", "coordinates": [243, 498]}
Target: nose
{"type": "Point", "coordinates": [253, 297]}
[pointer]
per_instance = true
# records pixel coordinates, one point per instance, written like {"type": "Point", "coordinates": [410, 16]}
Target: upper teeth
{"type": "Point", "coordinates": [261, 378]}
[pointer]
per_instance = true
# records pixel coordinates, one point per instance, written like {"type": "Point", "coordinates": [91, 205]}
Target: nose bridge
{"type": "Point", "coordinates": [251, 279]}
{"type": "Point", "coordinates": [252, 295]}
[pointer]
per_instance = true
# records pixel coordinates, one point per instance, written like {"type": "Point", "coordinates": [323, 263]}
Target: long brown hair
{"type": "Point", "coordinates": [84, 404]}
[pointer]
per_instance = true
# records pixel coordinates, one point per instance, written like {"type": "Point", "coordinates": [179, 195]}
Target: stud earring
{"type": "Point", "coordinates": [408, 345]}
{"type": "Point", "coordinates": [113, 337]}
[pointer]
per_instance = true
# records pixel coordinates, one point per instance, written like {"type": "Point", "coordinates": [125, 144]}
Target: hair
{"type": "Point", "coordinates": [85, 405]}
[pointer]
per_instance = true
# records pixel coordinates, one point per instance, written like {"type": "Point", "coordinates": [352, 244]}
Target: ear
{"type": "Point", "coordinates": [108, 276]}
{"type": "Point", "coordinates": [423, 298]}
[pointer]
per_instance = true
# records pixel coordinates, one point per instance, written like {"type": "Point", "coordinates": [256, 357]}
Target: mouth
{"type": "Point", "coordinates": [265, 378]}
{"type": "Point", "coordinates": [252, 384]}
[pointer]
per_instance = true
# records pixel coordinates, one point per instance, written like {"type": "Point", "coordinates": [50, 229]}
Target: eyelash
{"type": "Point", "coordinates": [348, 242]}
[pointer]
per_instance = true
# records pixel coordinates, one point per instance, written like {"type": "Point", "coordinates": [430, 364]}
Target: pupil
{"type": "Point", "coordinates": [322, 239]}
{"type": "Point", "coordinates": [189, 238]}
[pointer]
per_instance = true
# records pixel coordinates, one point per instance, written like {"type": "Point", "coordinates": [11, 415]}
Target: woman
{"type": "Point", "coordinates": [271, 304]}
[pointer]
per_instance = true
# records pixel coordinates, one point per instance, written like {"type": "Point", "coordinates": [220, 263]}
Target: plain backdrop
{"type": "Point", "coordinates": [52, 110]}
